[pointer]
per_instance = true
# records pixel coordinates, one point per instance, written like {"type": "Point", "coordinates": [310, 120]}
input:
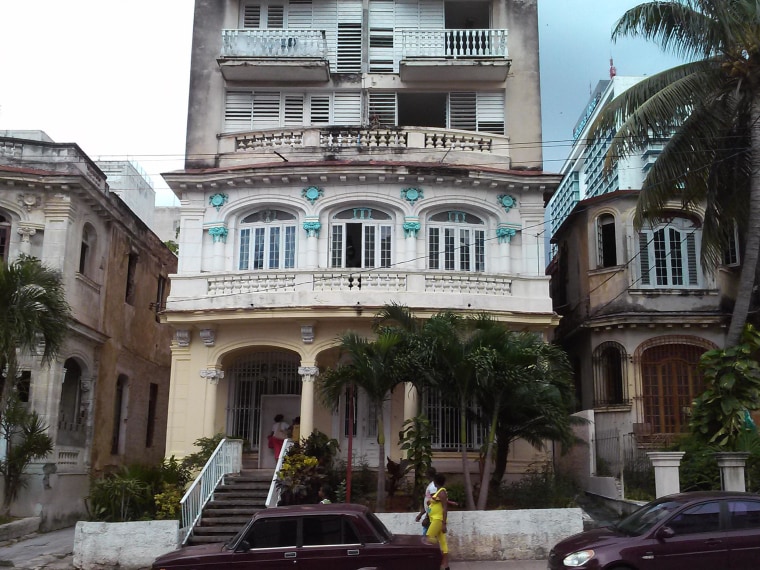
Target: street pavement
{"type": "Point", "coordinates": [55, 551]}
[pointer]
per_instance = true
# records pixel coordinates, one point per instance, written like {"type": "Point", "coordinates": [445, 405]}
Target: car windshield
{"type": "Point", "coordinates": [646, 517]}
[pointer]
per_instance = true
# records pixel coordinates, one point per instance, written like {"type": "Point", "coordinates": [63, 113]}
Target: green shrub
{"type": "Point", "coordinates": [543, 489]}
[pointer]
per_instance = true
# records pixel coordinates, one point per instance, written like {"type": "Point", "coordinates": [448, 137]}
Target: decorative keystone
{"type": "Point", "coordinates": [411, 195]}
{"type": "Point", "coordinates": [312, 193]}
{"type": "Point", "coordinates": [506, 201]}
{"type": "Point", "coordinates": [218, 200]}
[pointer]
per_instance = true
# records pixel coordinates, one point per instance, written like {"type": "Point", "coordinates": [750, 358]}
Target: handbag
{"type": "Point", "coordinates": [426, 521]}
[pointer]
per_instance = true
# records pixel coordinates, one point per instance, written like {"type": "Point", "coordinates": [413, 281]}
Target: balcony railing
{"type": "Point", "coordinates": [367, 138]}
{"type": "Point", "coordinates": [455, 44]}
{"type": "Point", "coordinates": [274, 43]}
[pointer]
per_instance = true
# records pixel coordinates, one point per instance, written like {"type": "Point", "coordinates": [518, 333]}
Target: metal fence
{"type": "Point", "coordinates": [624, 457]}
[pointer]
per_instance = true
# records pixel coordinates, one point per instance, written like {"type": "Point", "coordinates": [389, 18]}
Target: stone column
{"type": "Point", "coordinates": [411, 398]}
{"type": "Point", "coordinates": [411, 229]}
{"type": "Point", "coordinates": [505, 234]}
{"type": "Point", "coordinates": [666, 473]}
{"type": "Point", "coordinates": [219, 236]}
{"type": "Point", "coordinates": [212, 377]}
{"type": "Point", "coordinates": [26, 232]}
{"type": "Point", "coordinates": [312, 226]}
{"type": "Point", "coordinates": [731, 466]}
{"type": "Point", "coordinates": [308, 375]}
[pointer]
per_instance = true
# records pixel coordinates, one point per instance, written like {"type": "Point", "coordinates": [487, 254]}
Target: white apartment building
{"type": "Point", "coordinates": [342, 155]}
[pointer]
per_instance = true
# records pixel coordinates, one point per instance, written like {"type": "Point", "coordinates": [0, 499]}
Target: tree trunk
{"type": "Point", "coordinates": [465, 463]}
{"type": "Point", "coordinates": [752, 237]}
{"type": "Point", "coordinates": [380, 508]}
{"type": "Point", "coordinates": [484, 486]}
{"type": "Point", "coordinates": [500, 463]}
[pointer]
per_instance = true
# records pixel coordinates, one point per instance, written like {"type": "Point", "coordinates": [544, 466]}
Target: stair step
{"type": "Point", "coordinates": [216, 530]}
{"type": "Point", "coordinates": [239, 520]}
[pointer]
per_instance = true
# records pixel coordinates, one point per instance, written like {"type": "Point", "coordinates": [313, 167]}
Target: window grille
{"type": "Point", "coordinates": [610, 375]}
{"type": "Point", "coordinates": [252, 376]}
{"type": "Point", "coordinates": [445, 422]}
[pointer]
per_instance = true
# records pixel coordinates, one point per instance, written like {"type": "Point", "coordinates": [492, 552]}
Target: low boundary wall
{"type": "Point", "coordinates": [472, 535]}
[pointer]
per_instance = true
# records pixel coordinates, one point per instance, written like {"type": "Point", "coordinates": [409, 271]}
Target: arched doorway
{"type": "Point", "coordinates": [72, 410]}
{"type": "Point", "coordinates": [256, 379]}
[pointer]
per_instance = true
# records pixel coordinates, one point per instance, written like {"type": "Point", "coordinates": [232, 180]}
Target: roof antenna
{"type": "Point", "coordinates": [613, 70]}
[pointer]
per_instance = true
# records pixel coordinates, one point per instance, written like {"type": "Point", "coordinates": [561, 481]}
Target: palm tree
{"type": "Point", "coordinates": [525, 391]}
{"type": "Point", "coordinates": [34, 317]}
{"type": "Point", "coordinates": [709, 110]}
{"type": "Point", "coordinates": [373, 367]}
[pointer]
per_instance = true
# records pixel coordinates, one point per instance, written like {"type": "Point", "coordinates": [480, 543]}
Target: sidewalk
{"type": "Point", "coordinates": [55, 551]}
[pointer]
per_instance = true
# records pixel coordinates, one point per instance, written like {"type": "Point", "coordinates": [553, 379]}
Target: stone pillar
{"type": "Point", "coordinates": [212, 377]}
{"type": "Point", "coordinates": [219, 236]}
{"type": "Point", "coordinates": [411, 229]}
{"type": "Point", "coordinates": [26, 233]}
{"type": "Point", "coordinates": [731, 466]}
{"type": "Point", "coordinates": [411, 406]}
{"type": "Point", "coordinates": [666, 474]}
{"type": "Point", "coordinates": [505, 233]}
{"type": "Point", "coordinates": [312, 226]}
{"type": "Point", "coordinates": [308, 375]}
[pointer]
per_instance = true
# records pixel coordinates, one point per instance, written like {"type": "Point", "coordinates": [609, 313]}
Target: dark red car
{"type": "Point", "coordinates": [312, 537]}
{"type": "Point", "coordinates": [690, 531]}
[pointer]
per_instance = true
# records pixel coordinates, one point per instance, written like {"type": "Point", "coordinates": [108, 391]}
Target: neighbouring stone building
{"type": "Point", "coordinates": [105, 397]}
{"type": "Point", "coordinates": [637, 307]}
{"type": "Point", "coordinates": [342, 155]}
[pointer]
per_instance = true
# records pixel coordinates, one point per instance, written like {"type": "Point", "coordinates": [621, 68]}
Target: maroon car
{"type": "Point", "coordinates": [689, 531]}
{"type": "Point", "coordinates": [313, 537]}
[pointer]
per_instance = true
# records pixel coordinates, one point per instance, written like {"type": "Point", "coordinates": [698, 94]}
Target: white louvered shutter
{"type": "Point", "coordinates": [349, 56]}
{"type": "Point", "coordinates": [276, 17]}
{"type": "Point", "coordinates": [238, 111]}
{"type": "Point", "coordinates": [251, 16]}
{"type": "Point", "coordinates": [381, 26]}
{"type": "Point", "coordinates": [463, 111]}
{"type": "Point", "coordinates": [319, 112]}
{"type": "Point", "coordinates": [325, 17]}
{"type": "Point", "coordinates": [491, 113]}
{"type": "Point", "coordinates": [300, 15]}
{"type": "Point", "coordinates": [293, 110]}
{"type": "Point", "coordinates": [347, 108]}
{"type": "Point", "coordinates": [382, 109]}
{"type": "Point", "coordinates": [266, 110]}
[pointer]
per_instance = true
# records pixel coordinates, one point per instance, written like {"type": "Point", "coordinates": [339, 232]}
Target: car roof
{"type": "Point", "coordinates": [329, 508]}
{"type": "Point", "coordinates": [700, 495]}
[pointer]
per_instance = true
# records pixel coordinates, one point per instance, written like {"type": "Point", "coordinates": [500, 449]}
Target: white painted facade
{"type": "Point", "coordinates": [329, 174]}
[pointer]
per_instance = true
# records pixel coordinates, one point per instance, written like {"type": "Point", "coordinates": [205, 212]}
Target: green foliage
{"type": "Point", "coordinates": [299, 478]}
{"type": "Point", "coordinates": [173, 246]}
{"type": "Point", "coordinates": [168, 502]}
{"type": "Point", "coordinates": [121, 497]}
{"type": "Point", "coordinates": [456, 493]}
{"type": "Point", "coordinates": [207, 444]}
{"type": "Point", "coordinates": [26, 440]}
{"type": "Point", "coordinates": [321, 446]}
{"type": "Point", "coordinates": [139, 492]}
{"type": "Point", "coordinates": [732, 379]}
{"type": "Point", "coordinates": [539, 489]}
{"type": "Point", "coordinates": [415, 439]}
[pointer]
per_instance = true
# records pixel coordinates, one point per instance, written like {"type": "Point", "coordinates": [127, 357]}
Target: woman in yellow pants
{"type": "Point", "coordinates": [439, 511]}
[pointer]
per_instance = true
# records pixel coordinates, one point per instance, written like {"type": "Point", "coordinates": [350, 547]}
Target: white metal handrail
{"type": "Point", "coordinates": [227, 458]}
{"type": "Point", "coordinates": [456, 44]}
{"type": "Point", "coordinates": [273, 497]}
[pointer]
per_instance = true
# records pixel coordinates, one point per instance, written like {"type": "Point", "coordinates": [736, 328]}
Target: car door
{"type": "Point", "coordinates": [272, 545]}
{"type": "Point", "coordinates": [329, 543]}
{"type": "Point", "coordinates": [694, 540]}
{"type": "Point", "coordinates": [743, 534]}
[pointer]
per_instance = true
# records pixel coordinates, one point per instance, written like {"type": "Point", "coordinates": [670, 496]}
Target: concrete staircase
{"type": "Point", "coordinates": [236, 500]}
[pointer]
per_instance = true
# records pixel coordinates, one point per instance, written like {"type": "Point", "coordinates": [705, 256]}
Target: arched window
{"type": "Point", "coordinates": [668, 254]}
{"type": "Point", "coordinates": [87, 251]}
{"type": "Point", "coordinates": [456, 242]}
{"type": "Point", "coordinates": [5, 235]}
{"type": "Point", "coordinates": [670, 379]}
{"type": "Point", "coordinates": [72, 411]}
{"type": "Point", "coordinates": [362, 238]}
{"type": "Point", "coordinates": [267, 240]}
{"type": "Point", "coordinates": [606, 243]}
{"type": "Point", "coordinates": [610, 378]}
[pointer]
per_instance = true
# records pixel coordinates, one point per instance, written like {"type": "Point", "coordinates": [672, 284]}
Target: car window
{"type": "Point", "coordinates": [383, 534]}
{"type": "Point", "coordinates": [704, 517]}
{"type": "Point", "coordinates": [273, 533]}
{"type": "Point", "coordinates": [744, 514]}
{"type": "Point", "coordinates": [646, 517]}
{"type": "Point", "coordinates": [319, 530]}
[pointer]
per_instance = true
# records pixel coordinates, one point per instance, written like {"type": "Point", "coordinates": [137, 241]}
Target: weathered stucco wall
{"type": "Point", "coordinates": [526, 534]}
{"type": "Point", "coordinates": [129, 545]}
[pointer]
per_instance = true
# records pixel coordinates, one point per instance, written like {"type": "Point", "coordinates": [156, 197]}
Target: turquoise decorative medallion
{"type": "Point", "coordinates": [411, 195]}
{"type": "Point", "coordinates": [312, 193]}
{"type": "Point", "coordinates": [218, 200]}
{"type": "Point", "coordinates": [506, 201]}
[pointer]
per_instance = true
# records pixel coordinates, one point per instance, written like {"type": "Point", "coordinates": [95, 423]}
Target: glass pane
{"type": "Point", "coordinates": [273, 533]}
{"type": "Point", "coordinates": [245, 243]}
{"type": "Point", "coordinates": [369, 246]}
{"type": "Point", "coordinates": [336, 252]}
{"type": "Point", "coordinates": [433, 247]}
{"type": "Point", "coordinates": [290, 247]}
{"type": "Point", "coordinates": [676, 259]}
{"type": "Point", "coordinates": [701, 518]}
{"type": "Point", "coordinates": [274, 247]}
{"type": "Point", "coordinates": [448, 251]}
{"type": "Point", "coordinates": [385, 246]}
{"type": "Point", "coordinates": [744, 514]}
{"type": "Point", "coordinates": [480, 251]}
{"type": "Point", "coordinates": [464, 250]}
{"type": "Point", "coordinates": [660, 258]}
{"type": "Point", "coordinates": [258, 248]}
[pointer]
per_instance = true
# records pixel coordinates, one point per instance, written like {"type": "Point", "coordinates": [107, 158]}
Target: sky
{"type": "Point", "coordinates": [113, 76]}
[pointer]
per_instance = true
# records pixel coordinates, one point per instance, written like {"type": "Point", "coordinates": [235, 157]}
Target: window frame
{"type": "Point", "coordinates": [668, 255]}
{"type": "Point", "coordinates": [444, 250]}
{"type": "Point", "coordinates": [376, 239]}
{"type": "Point", "coordinates": [267, 241]}
{"type": "Point", "coordinates": [606, 241]}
